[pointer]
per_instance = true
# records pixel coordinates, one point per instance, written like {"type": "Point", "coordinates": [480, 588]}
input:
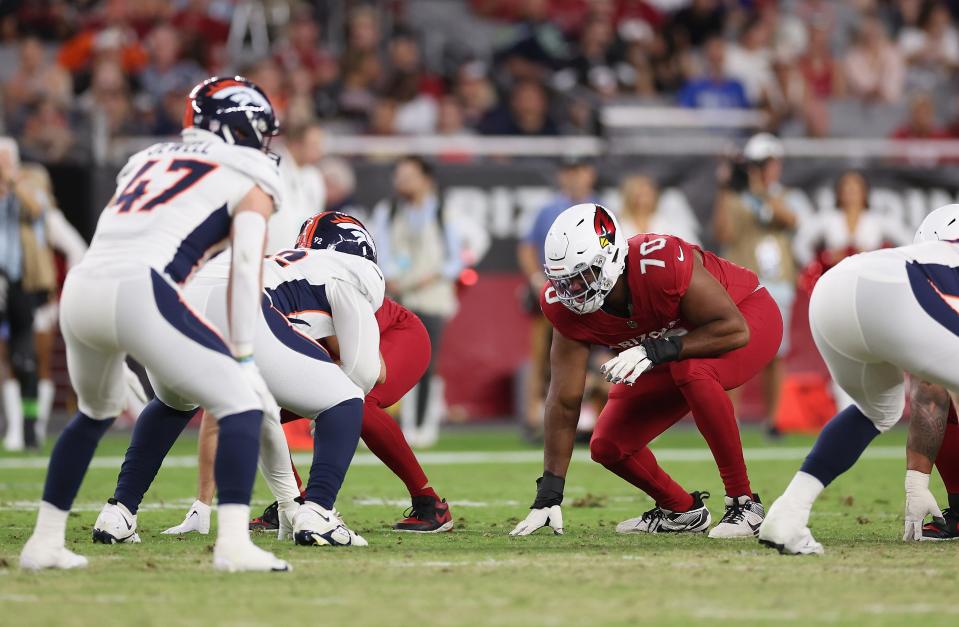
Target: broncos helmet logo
{"type": "Point", "coordinates": [604, 226]}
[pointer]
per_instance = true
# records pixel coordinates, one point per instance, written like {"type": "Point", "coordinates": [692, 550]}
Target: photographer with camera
{"type": "Point", "coordinates": [754, 225]}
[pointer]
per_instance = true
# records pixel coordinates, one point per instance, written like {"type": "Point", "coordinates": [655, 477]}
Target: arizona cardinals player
{"type": "Point", "coordinates": [687, 326]}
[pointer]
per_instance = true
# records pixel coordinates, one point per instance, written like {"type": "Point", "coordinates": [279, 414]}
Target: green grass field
{"type": "Point", "coordinates": [476, 575]}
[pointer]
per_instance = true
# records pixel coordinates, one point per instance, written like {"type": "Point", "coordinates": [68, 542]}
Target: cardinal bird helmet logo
{"type": "Point", "coordinates": [604, 226]}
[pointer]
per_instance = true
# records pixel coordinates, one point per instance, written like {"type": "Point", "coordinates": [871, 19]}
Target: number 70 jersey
{"type": "Point", "coordinates": [174, 203]}
{"type": "Point", "coordinates": [658, 271]}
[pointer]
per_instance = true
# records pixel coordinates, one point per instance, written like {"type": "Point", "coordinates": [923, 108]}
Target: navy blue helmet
{"type": "Point", "coordinates": [235, 108]}
{"type": "Point", "coordinates": [332, 230]}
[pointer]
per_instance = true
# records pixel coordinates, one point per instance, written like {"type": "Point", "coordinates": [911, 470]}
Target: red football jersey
{"type": "Point", "coordinates": [390, 313]}
{"type": "Point", "coordinates": [658, 270]}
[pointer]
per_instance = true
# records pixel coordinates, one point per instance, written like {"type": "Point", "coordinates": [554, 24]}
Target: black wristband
{"type": "Point", "coordinates": [549, 490]}
{"type": "Point", "coordinates": [662, 349]}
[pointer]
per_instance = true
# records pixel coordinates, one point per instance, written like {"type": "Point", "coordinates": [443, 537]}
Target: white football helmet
{"type": "Point", "coordinates": [585, 254]}
{"type": "Point", "coordinates": [943, 224]}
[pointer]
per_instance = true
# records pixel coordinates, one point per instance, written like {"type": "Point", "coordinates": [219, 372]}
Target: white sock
{"type": "Point", "coordinates": [51, 524]}
{"type": "Point", "coordinates": [202, 508]}
{"type": "Point", "coordinates": [13, 409]}
{"type": "Point", "coordinates": [803, 491]}
{"type": "Point", "coordinates": [234, 523]}
{"type": "Point", "coordinates": [45, 394]}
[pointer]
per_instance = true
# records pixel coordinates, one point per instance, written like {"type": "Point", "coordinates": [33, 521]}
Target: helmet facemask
{"type": "Point", "coordinates": [584, 290]}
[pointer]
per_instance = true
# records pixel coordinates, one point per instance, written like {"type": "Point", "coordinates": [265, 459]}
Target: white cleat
{"type": "Point", "coordinates": [316, 526]}
{"type": "Point", "coordinates": [197, 520]}
{"type": "Point", "coordinates": [115, 525]}
{"type": "Point", "coordinates": [785, 529]}
{"type": "Point", "coordinates": [742, 519]}
{"type": "Point", "coordinates": [244, 556]}
{"type": "Point", "coordinates": [37, 555]}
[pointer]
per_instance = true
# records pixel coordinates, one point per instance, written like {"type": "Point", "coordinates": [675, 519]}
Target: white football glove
{"type": "Point", "coordinates": [627, 366]}
{"type": "Point", "coordinates": [919, 503]}
{"type": "Point", "coordinates": [539, 518]}
{"type": "Point", "coordinates": [255, 379]}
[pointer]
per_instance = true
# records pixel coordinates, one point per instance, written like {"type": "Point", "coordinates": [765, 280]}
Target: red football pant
{"type": "Point", "coordinates": [635, 415]}
{"type": "Point", "coordinates": [405, 347]}
{"type": "Point", "coordinates": [947, 460]}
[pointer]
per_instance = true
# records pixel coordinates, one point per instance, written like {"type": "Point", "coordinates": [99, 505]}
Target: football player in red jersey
{"type": "Point", "coordinates": [687, 326]}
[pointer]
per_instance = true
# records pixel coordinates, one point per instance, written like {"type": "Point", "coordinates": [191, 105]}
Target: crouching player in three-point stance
{"type": "Point", "coordinates": [176, 203]}
{"type": "Point", "coordinates": [308, 294]}
{"type": "Point", "coordinates": [875, 316]}
{"type": "Point", "coordinates": [688, 326]}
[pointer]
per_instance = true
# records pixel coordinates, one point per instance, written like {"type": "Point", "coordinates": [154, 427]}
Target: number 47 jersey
{"type": "Point", "coordinates": [658, 271]}
{"type": "Point", "coordinates": [174, 203]}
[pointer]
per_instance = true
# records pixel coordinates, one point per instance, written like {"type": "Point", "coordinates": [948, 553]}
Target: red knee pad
{"type": "Point", "coordinates": [606, 452]}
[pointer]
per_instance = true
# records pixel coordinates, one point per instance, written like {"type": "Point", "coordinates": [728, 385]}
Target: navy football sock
{"type": "Point", "coordinates": [334, 442]}
{"type": "Point", "coordinates": [237, 451]}
{"type": "Point", "coordinates": [839, 445]}
{"type": "Point", "coordinates": [154, 433]}
{"type": "Point", "coordinates": [71, 457]}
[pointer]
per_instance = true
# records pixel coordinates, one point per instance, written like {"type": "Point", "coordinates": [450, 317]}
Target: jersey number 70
{"type": "Point", "coordinates": [133, 191]}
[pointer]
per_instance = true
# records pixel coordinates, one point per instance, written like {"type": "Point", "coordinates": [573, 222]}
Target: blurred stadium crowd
{"type": "Point", "coordinates": [491, 67]}
{"type": "Point", "coordinates": [76, 75]}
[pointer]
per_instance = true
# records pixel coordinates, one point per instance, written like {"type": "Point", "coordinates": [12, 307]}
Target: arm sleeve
{"type": "Point", "coordinates": [454, 246]}
{"type": "Point", "coordinates": [64, 237]}
{"type": "Point", "coordinates": [807, 236]}
{"type": "Point", "coordinates": [358, 333]}
{"type": "Point", "coordinates": [246, 269]}
{"type": "Point", "coordinates": [275, 460]}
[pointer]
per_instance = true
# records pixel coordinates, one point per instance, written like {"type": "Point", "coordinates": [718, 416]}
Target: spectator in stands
{"type": "Point", "coordinates": [382, 118]}
{"type": "Point", "coordinates": [823, 79]}
{"type": "Point", "coordinates": [643, 210]}
{"type": "Point", "coordinates": [576, 179]}
{"type": "Point", "coordinates": [694, 25]}
{"type": "Point", "coordinates": [358, 91]}
{"type": "Point", "coordinates": [932, 49]}
{"type": "Point", "coordinates": [874, 67]}
{"type": "Point", "coordinates": [303, 191]}
{"type": "Point", "coordinates": [109, 95]}
{"type": "Point", "coordinates": [364, 35]}
{"type": "Point", "coordinates": [537, 46]}
{"type": "Point", "coordinates": [46, 134]}
{"type": "Point", "coordinates": [110, 35]}
{"type": "Point", "coordinates": [714, 89]}
{"type": "Point", "coordinates": [34, 78]}
{"type": "Point", "coordinates": [754, 224]}
{"type": "Point", "coordinates": [635, 69]}
{"type": "Point", "coordinates": [167, 71]}
{"type": "Point", "coordinates": [593, 63]}
{"type": "Point", "coordinates": [414, 90]}
{"type": "Point", "coordinates": [267, 74]}
{"type": "Point", "coordinates": [921, 123]}
{"type": "Point", "coordinates": [301, 47]}
{"type": "Point", "coordinates": [340, 182]}
{"type": "Point", "coordinates": [749, 61]}
{"type": "Point", "coordinates": [419, 253]}
{"type": "Point", "coordinates": [526, 114]}
{"type": "Point", "coordinates": [474, 92]}
{"type": "Point", "coordinates": [203, 29]}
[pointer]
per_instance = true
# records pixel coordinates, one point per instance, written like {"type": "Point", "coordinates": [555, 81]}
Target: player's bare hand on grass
{"type": "Point", "coordinates": [551, 517]}
{"type": "Point", "coordinates": [627, 366]}
{"type": "Point", "coordinates": [920, 503]}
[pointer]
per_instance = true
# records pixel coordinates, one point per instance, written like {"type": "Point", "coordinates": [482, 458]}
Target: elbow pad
{"type": "Point", "coordinates": [249, 233]}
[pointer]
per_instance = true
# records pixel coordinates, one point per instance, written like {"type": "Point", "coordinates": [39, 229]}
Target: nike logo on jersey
{"type": "Point", "coordinates": [682, 255]}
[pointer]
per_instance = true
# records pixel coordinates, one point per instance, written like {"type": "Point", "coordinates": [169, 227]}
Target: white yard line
{"type": "Point", "coordinates": [457, 458]}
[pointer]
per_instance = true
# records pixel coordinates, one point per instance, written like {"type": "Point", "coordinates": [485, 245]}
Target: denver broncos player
{"type": "Point", "coordinates": [308, 294]}
{"type": "Point", "coordinates": [176, 203]}
{"type": "Point", "coordinates": [874, 317]}
{"type": "Point", "coordinates": [687, 326]}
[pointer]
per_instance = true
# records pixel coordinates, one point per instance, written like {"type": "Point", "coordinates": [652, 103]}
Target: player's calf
{"type": "Point", "coordinates": [659, 520]}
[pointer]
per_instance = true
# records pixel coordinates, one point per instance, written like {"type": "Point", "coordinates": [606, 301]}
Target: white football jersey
{"type": "Point", "coordinates": [174, 203]}
{"type": "Point", "coordinates": [893, 264]}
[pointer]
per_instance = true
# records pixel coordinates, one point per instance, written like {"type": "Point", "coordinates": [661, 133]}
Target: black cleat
{"type": "Point", "coordinates": [269, 520]}
{"type": "Point", "coordinates": [428, 514]}
{"type": "Point", "coordinates": [946, 528]}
